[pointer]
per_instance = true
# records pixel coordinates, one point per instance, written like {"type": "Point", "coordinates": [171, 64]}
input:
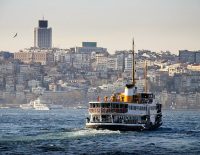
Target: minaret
{"type": "Point", "coordinates": [133, 65]}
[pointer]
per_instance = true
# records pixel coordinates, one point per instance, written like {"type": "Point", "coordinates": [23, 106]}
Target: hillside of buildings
{"type": "Point", "coordinates": [72, 77]}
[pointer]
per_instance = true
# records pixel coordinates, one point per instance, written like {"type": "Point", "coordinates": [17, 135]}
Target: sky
{"type": "Point", "coordinates": [155, 24]}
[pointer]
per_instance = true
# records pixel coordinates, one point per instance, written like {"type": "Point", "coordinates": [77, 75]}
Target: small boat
{"type": "Point", "coordinates": [3, 107]}
{"type": "Point", "coordinates": [27, 106]}
{"type": "Point", "coordinates": [35, 104]}
{"type": "Point", "coordinates": [173, 106]}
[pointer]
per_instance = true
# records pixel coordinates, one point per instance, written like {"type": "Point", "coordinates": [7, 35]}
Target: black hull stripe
{"type": "Point", "coordinates": [123, 127]}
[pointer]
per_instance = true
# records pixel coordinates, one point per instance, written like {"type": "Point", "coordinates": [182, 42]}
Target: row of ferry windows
{"type": "Point", "coordinates": [108, 105]}
{"type": "Point", "coordinates": [141, 108]}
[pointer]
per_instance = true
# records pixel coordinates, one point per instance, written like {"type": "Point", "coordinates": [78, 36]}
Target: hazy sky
{"type": "Point", "coordinates": [155, 24]}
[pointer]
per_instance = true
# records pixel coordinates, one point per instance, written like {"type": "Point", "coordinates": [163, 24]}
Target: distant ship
{"type": "Point", "coordinates": [4, 107]}
{"type": "Point", "coordinates": [26, 106]}
{"type": "Point", "coordinates": [173, 106]}
{"type": "Point", "coordinates": [126, 111]}
{"type": "Point", "coordinates": [36, 104]}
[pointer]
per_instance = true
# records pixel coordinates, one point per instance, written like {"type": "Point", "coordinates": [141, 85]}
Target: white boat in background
{"type": "Point", "coordinates": [3, 107]}
{"type": "Point", "coordinates": [26, 106]}
{"type": "Point", "coordinates": [173, 106]}
{"type": "Point", "coordinates": [36, 105]}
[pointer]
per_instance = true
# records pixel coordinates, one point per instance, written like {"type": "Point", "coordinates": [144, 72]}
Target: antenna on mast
{"type": "Point", "coordinates": [133, 64]}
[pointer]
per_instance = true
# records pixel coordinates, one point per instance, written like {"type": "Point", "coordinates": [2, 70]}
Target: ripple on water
{"type": "Point", "coordinates": [63, 132]}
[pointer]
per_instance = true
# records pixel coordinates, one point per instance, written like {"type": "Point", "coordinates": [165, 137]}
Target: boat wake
{"type": "Point", "coordinates": [61, 135]}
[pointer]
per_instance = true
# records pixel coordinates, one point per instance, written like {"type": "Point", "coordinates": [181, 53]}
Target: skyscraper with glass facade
{"type": "Point", "coordinates": [43, 35]}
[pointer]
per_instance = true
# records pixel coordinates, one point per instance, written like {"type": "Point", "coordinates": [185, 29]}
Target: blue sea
{"type": "Point", "coordinates": [63, 132]}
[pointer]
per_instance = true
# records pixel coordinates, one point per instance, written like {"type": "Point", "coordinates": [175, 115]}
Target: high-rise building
{"type": "Point", "coordinates": [89, 44]}
{"type": "Point", "coordinates": [186, 56]}
{"type": "Point", "coordinates": [189, 56]}
{"type": "Point", "coordinates": [89, 47]}
{"type": "Point", "coordinates": [128, 63]}
{"type": "Point", "coordinates": [43, 35]}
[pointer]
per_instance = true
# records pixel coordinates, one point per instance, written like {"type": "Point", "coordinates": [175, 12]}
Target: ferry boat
{"type": "Point", "coordinates": [35, 104]}
{"type": "Point", "coordinates": [127, 111]}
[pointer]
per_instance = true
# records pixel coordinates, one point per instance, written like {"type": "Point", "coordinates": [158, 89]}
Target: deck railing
{"type": "Point", "coordinates": [108, 110]}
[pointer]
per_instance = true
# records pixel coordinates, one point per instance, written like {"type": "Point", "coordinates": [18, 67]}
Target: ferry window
{"type": "Point", "coordinates": [107, 105]}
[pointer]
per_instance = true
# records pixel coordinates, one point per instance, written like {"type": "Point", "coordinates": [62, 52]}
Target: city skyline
{"type": "Point", "coordinates": [156, 25]}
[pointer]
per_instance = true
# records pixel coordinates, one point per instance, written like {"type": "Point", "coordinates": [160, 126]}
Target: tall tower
{"type": "Point", "coordinates": [43, 35]}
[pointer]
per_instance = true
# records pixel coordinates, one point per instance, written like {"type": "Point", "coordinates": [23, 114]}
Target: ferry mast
{"type": "Point", "coordinates": [145, 77]}
{"type": "Point", "coordinates": [133, 65]}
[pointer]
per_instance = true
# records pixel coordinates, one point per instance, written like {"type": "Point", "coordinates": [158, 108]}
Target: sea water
{"type": "Point", "coordinates": [63, 132]}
